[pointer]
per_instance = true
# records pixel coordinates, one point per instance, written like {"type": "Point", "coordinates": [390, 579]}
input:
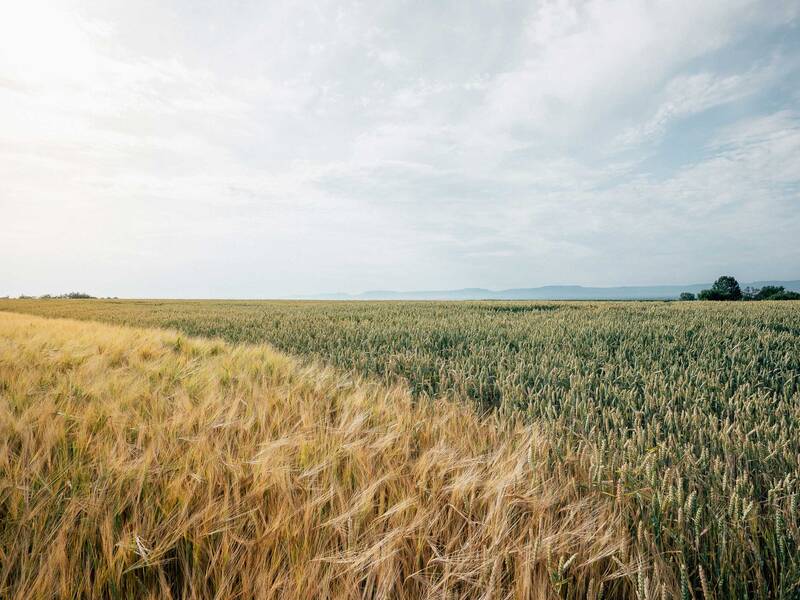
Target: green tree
{"type": "Point", "coordinates": [724, 288]}
{"type": "Point", "coordinates": [768, 291]}
{"type": "Point", "coordinates": [687, 296]}
{"type": "Point", "coordinates": [785, 295]}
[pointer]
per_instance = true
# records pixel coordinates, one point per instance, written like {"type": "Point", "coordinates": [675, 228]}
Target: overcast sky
{"type": "Point", "coordinates": [264, 149]}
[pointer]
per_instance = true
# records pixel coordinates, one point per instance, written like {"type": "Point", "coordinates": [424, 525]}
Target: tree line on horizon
{"type": "Point", "coordinates": [67, 296]}
{"type": "Point", "coordinates": [727, 288]}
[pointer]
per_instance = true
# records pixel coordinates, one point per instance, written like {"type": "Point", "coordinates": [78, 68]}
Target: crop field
{"type": "Point", "coordinates": [671, 429]}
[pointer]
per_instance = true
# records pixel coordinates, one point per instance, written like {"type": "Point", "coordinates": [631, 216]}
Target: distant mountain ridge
{"type": "Point", "coordinates": [550, 292]}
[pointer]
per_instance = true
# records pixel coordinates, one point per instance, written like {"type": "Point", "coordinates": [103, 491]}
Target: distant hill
{"type": "Point", "coordinates": [550, 292]}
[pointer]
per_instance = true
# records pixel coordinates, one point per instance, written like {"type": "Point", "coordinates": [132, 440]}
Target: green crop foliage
{"type": "Point", "coordinates": [692, 410]}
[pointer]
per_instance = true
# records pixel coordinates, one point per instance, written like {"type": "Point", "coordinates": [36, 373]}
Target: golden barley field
{"type": "Point", "coordinates": [138, 463]}
{"type": "Point", "coordinates": [407, 450]}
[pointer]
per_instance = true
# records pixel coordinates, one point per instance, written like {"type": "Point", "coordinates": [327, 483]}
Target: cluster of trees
{"type": "Point", "coordinates": [68, 296]}
{"type": "Point", "coordinates": [727, 288]}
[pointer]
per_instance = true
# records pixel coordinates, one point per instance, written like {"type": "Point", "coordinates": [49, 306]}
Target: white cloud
{"type": "Point", "coordinates": [346, 146]}
{"type": "Point", "coordinates": [687, 95]}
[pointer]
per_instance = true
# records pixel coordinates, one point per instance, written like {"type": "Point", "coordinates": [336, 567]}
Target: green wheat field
{"type": "Point", "coordinates": [416, 449]}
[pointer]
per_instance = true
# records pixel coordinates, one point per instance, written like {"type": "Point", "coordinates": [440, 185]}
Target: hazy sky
{"type": "Point", "coordinates": [258, 149]}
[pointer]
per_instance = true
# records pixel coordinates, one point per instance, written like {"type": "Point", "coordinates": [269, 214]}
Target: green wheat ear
{"type": "Point", "coordinates": [685, 591]}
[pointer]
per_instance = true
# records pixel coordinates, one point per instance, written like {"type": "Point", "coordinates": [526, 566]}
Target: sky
{"type": "Point", "coordinates": [273, 149]}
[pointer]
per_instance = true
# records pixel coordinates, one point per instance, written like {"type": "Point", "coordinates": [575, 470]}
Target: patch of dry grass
{"type": "Point", "coordinates": [139, 463]}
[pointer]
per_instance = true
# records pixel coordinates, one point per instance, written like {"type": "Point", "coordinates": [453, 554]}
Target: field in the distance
{"type": "Point", "coordinates": [685, 415]}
